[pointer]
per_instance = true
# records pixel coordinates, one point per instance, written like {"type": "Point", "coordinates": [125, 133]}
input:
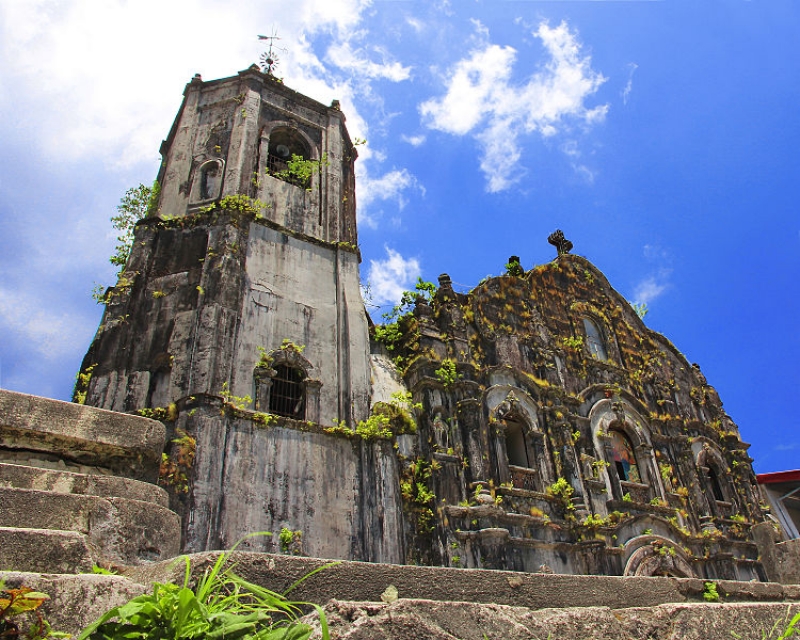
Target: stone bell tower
{"type": "Point", "coordinates": [253, 247]}
{"type": "Point", "coordinates": [238, 321]}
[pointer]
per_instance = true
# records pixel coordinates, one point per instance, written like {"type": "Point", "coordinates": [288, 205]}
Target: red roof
{"type": "Point", "coordinates": [778, 476]}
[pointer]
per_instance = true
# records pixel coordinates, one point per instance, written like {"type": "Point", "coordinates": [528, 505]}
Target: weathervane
{"type": "Point", "coordinates": [269, 59]}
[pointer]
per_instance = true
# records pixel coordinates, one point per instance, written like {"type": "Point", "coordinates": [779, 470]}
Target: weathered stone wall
{"type": "Point", "coordinates": [247, 477]}
{"type": "Point", "coordinates": [533, 385]}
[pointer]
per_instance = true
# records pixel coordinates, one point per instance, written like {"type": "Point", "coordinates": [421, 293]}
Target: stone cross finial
{"type": "Point", "coordinates": [558, 240]}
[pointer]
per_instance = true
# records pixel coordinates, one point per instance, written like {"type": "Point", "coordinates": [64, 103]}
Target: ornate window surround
{"type": "Point", "coordinates": [292, 358]}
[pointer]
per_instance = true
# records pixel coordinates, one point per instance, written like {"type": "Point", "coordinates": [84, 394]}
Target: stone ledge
{"type": "Point", "coordinates": [413, 619]}
{"type": "Point", "coordinates": [42, 550]}
{"type": "Point", "coordinates": [127, 445]}
{"type": "Point", "coordinates": [364, 581]}
{"type": "Point", "coordinates": [40, 479]}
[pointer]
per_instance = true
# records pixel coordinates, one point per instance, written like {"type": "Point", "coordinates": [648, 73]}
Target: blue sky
{"type": "Point", "coordinates": [662, 137]}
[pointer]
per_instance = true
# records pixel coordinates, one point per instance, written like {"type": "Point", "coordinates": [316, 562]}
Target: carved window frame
{"type": "Point", "coordinates": [265, 374]}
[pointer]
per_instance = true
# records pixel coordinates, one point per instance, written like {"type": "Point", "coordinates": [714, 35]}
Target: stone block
{"type": "Point", "coordinates": [43, 551]}
{"type": "Point", "coordinates": [117, 530]}
{"type": "Point", "coordinates": [129, 446]}
{"type": "Point", "coordinates": [76, 600]}
{"type": "Point", "coordinates": [41, 479]}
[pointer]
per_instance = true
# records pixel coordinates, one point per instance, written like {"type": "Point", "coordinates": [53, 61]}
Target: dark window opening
{"type": "Point", "coordinates": [284, 145]}
{"type": "Point", "coordinates": [716, 489]}
{"type": "Point", "coordinates": [287, 394]}
{"type": "Point", "coordinates": [515, 445]}
{"type": "Point", "coordinates": [594, 340]}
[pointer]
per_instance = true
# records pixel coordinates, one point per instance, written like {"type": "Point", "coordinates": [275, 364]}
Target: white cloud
{"type": "Point", "coordinates": [389, 278]}
{"type": "Point", "coordinates": [648, 290]}
{"type": "Point", "coordinates": [88, 79]}
{"type": "Point", "coordinates": [344, 57]}
{"type": "Point", "coordinates": [481, 99]}
{"type": "Point", "coordinates": [51, 334]}
{"type": "Point", "coordinates": [652, 286]}
{"type": "Point", "coordinates": [626, 92]}
{"type": "Point", "coordinates": [471, 91]}
{"type": "Point", "coordinates": [414, 141]}
{"type": "Point", "coordinates": [389, 186]}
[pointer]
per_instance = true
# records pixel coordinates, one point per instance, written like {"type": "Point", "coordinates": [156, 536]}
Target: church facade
{"type": "Point", "coordinates": [532, 424]}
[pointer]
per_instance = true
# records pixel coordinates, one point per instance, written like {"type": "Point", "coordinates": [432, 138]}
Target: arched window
{"type": "Point", "coordinates": [515, 445]}
{"type": "Point", "coordinates": [285, 144]}
{"type": "Point", "coordinates": [287, 395]}
{"type": "Point", "coordinates": [624, 460]}
{"type": "Point", "coordinates": [716, 488]}
{"type": "Point", "coordinates": [594, 340]}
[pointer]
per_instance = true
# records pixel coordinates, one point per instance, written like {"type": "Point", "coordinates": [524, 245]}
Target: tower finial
{"type": "Point", "coordinates": [558, 240]}
{"type": "Point", "coordinates": [269, 59]}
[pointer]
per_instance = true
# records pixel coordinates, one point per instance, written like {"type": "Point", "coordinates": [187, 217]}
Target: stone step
{"type": "Point", "coordinates": [124, 445]}
{"type": "Point", "coordinates": [21, 476]}
{"type": "Point", "coordinates": [44, 551]}
{"type": "Point", "coordinates": [75, 600]}
{"type": "Point", "coordinates": [367, 581]}
{"type": "Point", "coordinates": [117, 530]}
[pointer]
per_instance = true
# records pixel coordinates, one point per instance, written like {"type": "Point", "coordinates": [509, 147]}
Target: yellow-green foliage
{"type": "Point", "coordinates": [447, 373]}
{"type": "Point", "coordinates": [175, 468]}
{"type": "Point", "coordinates": [82, 384]}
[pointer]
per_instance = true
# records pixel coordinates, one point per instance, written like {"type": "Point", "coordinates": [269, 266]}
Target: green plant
{"type": "Point", "coordinates": [573, 343]}
{"type": "Point", "coordinates": [103, 571]}
{"type": "Point", "coordinates": [137, 203]}
{"type": "Point", "coordinates": [514, 268]}
{"type": "Point", "coordinates": [82, 384]}
{"type": "Point", "coordinates": [561, 488]}
{"type": "Point", "coordinates": [287, 344]}
{"type": "Point", "coordinates": [221, 605]}
{"type": "Point", "coordinates": [593, 521]}
{"type": "Point", "coordinates": [299, 170]}
{"type": "Point", "coordinates": [447, 373]}
{"type": "Point", "coordinates": [290, 541]}
{"type": "Point", "coordinates": [640, 309]}
{"type": "Point", "coordinates": [15, 607]}
{"type": "Point", "coordinates": [175, 469]}
{"type": "Point", "coordinates": [417, 493]}
{"type": "Point", "coordinates": [387, 419]}
{"type": "Point", "coordinates": [626, 497]}
{"type": "Point", "coordinates": [710, 593]}
{"type": "Point", "coordinates": [237, 402]}
{"type": "Point", "coordinates": [237, 202]}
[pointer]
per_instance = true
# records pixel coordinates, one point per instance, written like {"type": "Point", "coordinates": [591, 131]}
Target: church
{"type": "Point", "coordinates": [532, 424]}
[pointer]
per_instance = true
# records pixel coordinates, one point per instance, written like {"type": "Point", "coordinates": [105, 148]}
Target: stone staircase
{"type": "Point", "coordinates": [77, 488]}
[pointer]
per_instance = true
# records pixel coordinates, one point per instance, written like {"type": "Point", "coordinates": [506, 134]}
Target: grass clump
{"type": "Point", "coordinates": [221, 605]}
